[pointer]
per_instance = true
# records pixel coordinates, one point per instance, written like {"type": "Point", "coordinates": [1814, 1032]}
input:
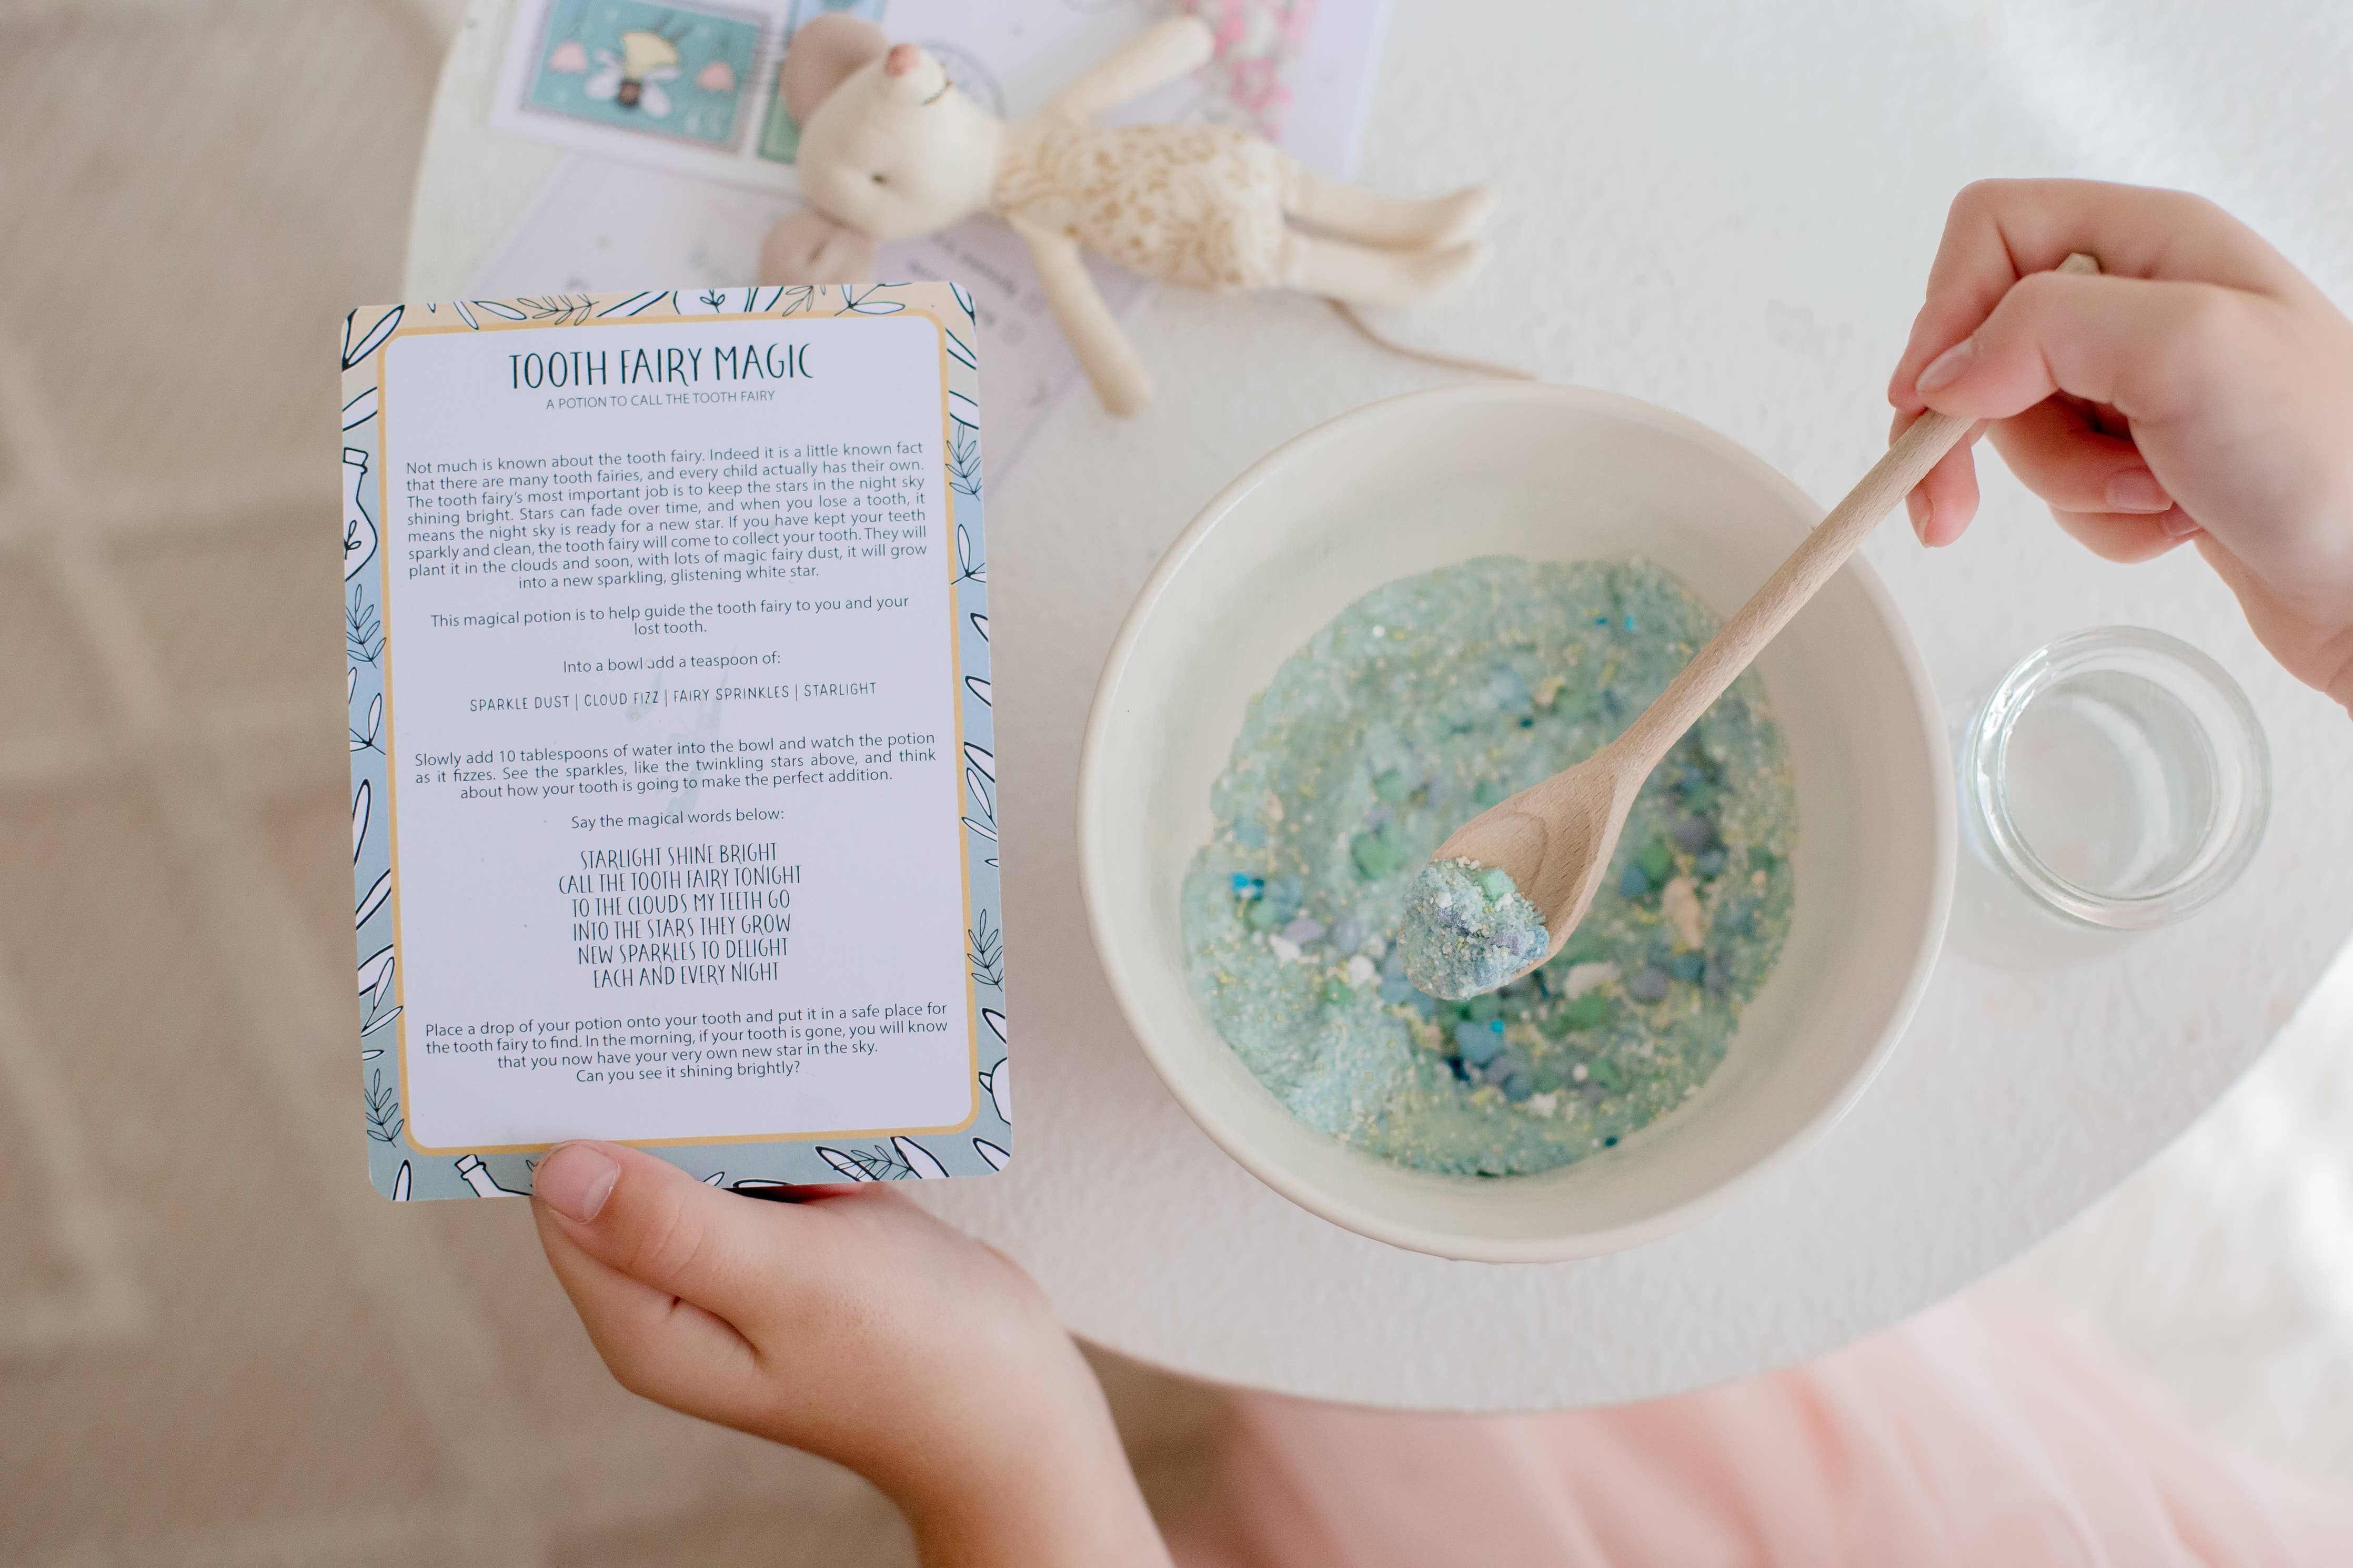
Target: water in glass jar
{"type": "Point", "coordinates": [2111, 781]}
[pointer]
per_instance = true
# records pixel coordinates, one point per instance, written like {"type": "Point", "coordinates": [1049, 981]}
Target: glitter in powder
{"type": "Point", "coordinates": [1488, 677]}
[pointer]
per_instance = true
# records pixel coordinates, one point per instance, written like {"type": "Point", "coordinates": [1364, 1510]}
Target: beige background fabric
{"type": "Point", "coordinates": [217, 1345]}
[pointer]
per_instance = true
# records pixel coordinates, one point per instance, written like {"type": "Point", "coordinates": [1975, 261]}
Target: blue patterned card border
{"type": "Point", "coordinates": [399, 1169]}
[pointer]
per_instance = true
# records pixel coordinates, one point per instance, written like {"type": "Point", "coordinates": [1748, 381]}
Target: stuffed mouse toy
{"type": "Point", "coordinates": [891, 150]}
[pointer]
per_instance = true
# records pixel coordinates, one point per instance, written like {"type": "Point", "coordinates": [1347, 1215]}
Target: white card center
{"type": "Point", "coordinates": [674, 749]}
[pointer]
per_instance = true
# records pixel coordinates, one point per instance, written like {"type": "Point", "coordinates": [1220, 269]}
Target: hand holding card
{"type": "Point", "coordinates": [674, 784]}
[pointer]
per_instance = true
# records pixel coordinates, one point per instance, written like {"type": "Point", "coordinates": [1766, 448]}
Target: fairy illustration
{"type": "Point", "coordinates": [634, 79]}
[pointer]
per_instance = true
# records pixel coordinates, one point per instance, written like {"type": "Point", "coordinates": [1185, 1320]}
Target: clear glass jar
{"type": "Point", "coordinates": [2116, 778]}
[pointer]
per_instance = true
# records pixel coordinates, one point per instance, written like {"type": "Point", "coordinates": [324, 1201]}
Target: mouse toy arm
{"type": "Point", "coordinates": [1161, 53]}
{"type": "Point", "coordinates": [1103, 349]}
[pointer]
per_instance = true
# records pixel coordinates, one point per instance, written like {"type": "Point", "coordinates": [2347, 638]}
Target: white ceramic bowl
{"type": "Point", "coordinates": [1555, 473]}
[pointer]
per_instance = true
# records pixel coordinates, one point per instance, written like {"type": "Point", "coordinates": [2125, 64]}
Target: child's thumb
{"type": "Point", "coordinates": [659, 1226]}
{"type": "Point", "coordinates": [2149, 349]}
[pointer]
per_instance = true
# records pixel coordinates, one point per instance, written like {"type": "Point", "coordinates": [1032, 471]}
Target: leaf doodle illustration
{"type": "Point", "coordinates": [968, 567]}
{"type": "Point", "coordinates": [376, 974]}
{"type": "Point", "coordinates": [980, 624]}
{"type": "Point", "coordinates": [997, 1026]}
{"type": "Point", "coordinates": [964, 476]}
{"type": "Point", "coordinates": [362, 633]}
{"type": "Point", "coordinates": [772, 1190]}
{"type": "Point", "coordinates": [400, 1185]}
{"type": "Point", "coordinates": [566, 309]}
{"type": "Point", "coordinates": [964, 410]}
{"type": "Point", "coordinates": [964, 298]}
{"type": "Point", "coordinates": [919, 1160]}
{"type": "Point", "coordinates": [982, 818]}
{"type": "Point", "coordinates": [998, 1158]}
{"type": "Point", "coordinates": [979, 782]}
{"type": "Point", "coordinates": [500, 308]}
{"type": "Point", "coordinates": [360, 409]}
{"type": "Point", "coordinates": [978, 687]}
{"type": "Point", "coordinates": [855, 303]}
{"type": "Point", "coordinates": [716, 1178]}
{"type": "Point", "coordinates": [376, 1023]}
{"type": "Point", "coordinates": [360, 818]}
{"type": "Point", "coordinates": [383, 1119]}
{"type": "Point", "coordinates": [634, 305]}
{"type": "Point", "coordinates": [465, 315]}
{"type": "Point", "coordinates": [998, 1081]}
{"type": "Point", "coordinates": [793, 301]}
{"type": "Point", "coordinates": [985, 950]}
{"type": "Point", "coordinates": [369, 341]}
{"type": "Point", "coordinates": [365, 740]}
{"type": "Point", "coordinates": [374, 902]}
{"type": "Point", "coordinates": [958, 352]}
{"type": "Point", "coordinates": [852, 1167]}
{"type": "Point", "coordinates": [900, 1160]}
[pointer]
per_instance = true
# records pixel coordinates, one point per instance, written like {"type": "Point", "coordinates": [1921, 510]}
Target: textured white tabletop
{"type": "Point", "coordinates": [1728, 210]}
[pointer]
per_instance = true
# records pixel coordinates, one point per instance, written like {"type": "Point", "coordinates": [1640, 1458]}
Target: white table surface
{"type": "Point", "coordinates": [1727, 210]}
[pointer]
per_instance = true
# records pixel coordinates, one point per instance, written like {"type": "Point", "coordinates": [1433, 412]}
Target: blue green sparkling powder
{"type": "Point", "coordinates": [1425, 702]}
{"type": "Point", "coordinates": [1467, 929]}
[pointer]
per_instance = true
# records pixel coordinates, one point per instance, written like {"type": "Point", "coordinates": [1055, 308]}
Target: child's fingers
{"type": "Point", "coordinates": [1943, 503]}
{"type": "Point", "coordinates": [2056, 453]}
{"type": "Point", "coordinates": [2153, 351]}
{"type": "Point", "coordinates": [654, 1223]}
{"type": "Point", "coordinates": [655, 1344]}
{"type": "Point", "coordinates": [2127, 536]}
{"type": "Point", "coordinates": [2002, 231]}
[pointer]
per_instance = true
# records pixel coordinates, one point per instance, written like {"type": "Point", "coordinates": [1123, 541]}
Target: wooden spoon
{"type": "Point", "coordinates": [1555, 840]}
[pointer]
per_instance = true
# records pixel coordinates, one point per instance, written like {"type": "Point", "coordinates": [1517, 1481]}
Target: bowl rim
{"type": "Point", "coordinates": [1336, 1207]}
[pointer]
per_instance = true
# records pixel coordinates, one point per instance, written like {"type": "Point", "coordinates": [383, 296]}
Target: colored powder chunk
{"type": "Point", "coordinates": [1656, 860]}
{"type": "Point", "coordinates": [1375, 853]}
{"type": "Point", "coordinates": [1589, 1011]}
{"type": "Point", "coordinates": [1467, 930]}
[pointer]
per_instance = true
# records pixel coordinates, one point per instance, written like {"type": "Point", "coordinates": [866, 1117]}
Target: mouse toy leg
{"type": "Point", "coordinates": [1387, 222]}
{"type": "Point", "coordinates": [1362, 274]}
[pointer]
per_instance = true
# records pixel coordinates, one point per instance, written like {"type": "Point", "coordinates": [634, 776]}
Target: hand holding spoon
{"type": "Point", "coordinates": [1505, 891]}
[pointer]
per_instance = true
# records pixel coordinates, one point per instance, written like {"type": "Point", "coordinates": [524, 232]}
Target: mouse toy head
{"type": "Point", "coordinates": [889, 150]}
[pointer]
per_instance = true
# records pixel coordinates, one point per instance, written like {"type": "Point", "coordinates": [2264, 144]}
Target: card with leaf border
{"type": "Point", "coordinates": [674, 793]}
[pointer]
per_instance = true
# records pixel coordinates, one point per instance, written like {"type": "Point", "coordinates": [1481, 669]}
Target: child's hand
{"type": "Point", "coordinates": [855, 1326]}
{"type": "Point", "coordinates": [2203, 389]}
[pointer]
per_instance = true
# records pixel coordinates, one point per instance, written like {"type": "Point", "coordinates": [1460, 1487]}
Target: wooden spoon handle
{"type": "Point", "coordinates": [1907, 461]}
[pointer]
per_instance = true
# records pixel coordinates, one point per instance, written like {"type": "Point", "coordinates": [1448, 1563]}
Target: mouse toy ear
{"type": "Point", "coordinates": [824, 50]}
{"type": "Point", "coordinates": [808, 247]}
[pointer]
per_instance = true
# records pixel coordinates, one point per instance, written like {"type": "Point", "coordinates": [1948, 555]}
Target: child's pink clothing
{"type": "Point", "coordinates": [1976, 1433]}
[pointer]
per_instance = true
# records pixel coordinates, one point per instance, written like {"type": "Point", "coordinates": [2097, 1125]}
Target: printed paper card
{"type": "Point", "coordinates": [691, 86]}
{"type": "Point", "coordinates": [673, 812]}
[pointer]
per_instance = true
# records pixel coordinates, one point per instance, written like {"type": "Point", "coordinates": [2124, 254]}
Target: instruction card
{"type": "Point", "coordinates": [673, 810]}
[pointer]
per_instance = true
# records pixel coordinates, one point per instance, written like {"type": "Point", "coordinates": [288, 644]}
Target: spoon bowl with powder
{"type": "Point", "coordinates": [1503, 893]}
